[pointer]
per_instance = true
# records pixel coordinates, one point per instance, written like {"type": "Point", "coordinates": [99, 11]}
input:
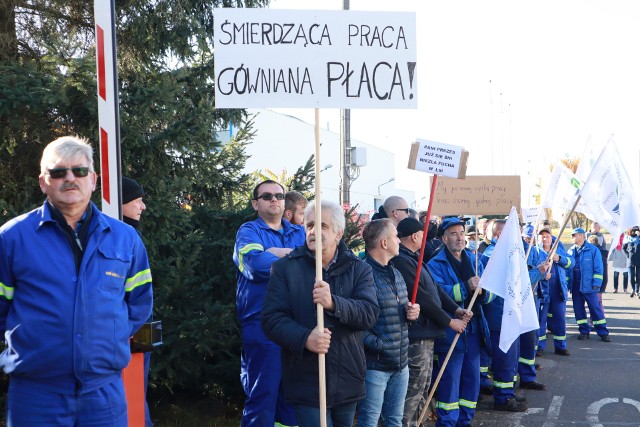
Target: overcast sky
{"type": "Point", "coordinates": [516, 83]}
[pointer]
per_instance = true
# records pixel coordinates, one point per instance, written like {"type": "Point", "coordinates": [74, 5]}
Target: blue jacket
{"type": "Point", "coordinates": [253, 262]}
{"type": "Point", "coordinates": [289, 316]}
{"type": "Point", "coordinates": [589, 261]}
{"type": "Point", "coordinates": [561, 269]}
{"type": "Point", "coordinates": [444, 275]}
{"type": "Point", "coordinates": [72, 327]}
{"type": "Point", "coordinates": [386, 344]}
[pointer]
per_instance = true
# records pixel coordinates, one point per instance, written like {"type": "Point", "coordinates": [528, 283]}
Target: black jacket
{"type": "Point", "coordinates": [386, 345]}
{"type": "Point", "coordinates": [289, 316]}
{"type": "Point", "coordinates": [436, 306]}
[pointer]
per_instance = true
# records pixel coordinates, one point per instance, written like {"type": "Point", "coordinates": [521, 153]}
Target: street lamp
{"type": "Point", "coordinates": [386, 182]}
{"type": "Point", "coordinates": [329, 166]}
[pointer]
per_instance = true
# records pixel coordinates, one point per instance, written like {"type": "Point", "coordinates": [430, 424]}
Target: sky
{"type": "Point", "coordinates": [518, 84]}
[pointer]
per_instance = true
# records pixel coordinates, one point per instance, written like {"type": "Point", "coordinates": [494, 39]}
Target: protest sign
{"type": "Point", "coordinates": [533, 214]}
{"type": "Point", "coordinates": [335, 59]}
{"type": "Point", "coordinates": [477, 195]}
{"type": "Point", "coordinates": [438, 158]}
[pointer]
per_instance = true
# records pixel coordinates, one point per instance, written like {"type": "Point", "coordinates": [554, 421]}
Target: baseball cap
{"type": "Point", "coordinates": [408, 226]}
{"type": "Point", "coordinates": [578, 230]}
{"type": "Point", "coordinates": [527, 231]}
{"type": "Point", "coordinates": [450, 222]}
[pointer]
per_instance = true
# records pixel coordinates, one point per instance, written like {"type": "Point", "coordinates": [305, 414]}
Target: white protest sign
{"type": "Point", "coordinates": [333, 59]}
{"type": "Point", "coordinates": [438, 158]}
{"type": "Point", "coordinates": [530, 214]}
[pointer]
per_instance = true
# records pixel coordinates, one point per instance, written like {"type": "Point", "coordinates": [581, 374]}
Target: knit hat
{"type": "Point", "coordinates": [131, 190]}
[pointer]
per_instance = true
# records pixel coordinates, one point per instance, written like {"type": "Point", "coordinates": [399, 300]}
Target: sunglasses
{"type": "Point", "coordinates": [79, 172]}
{"type": "Point", "coordinates": [405, 210]}
{"type": "Point", "coordinates": [267, 197]}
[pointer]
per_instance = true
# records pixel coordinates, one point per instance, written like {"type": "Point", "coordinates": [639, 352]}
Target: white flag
{"type": "Point", "coordinates": [608, 193]}
{"type": "Point", "coordinates": [507, 275]}
{"type": "Point", "coordinates": [562, 189]}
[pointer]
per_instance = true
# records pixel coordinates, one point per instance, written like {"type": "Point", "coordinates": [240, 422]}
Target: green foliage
{"type": "Point", "coordinates": [303, 180]}
{"type": "Point", "coordinates": [196, 193]}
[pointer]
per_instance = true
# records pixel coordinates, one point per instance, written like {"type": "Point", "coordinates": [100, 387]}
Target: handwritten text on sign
{"type": "Point", "coordinates": [438, 158]}
{"type": "Point", "coordinates": [293, 58]}
{"type": "Point", "coordinates": [476, 195]}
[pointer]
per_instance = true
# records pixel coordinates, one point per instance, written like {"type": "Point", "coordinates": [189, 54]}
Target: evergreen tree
{"type": "Point", "coordinates": [196, 192]}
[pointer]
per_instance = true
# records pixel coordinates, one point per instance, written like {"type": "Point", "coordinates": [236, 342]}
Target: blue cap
{"type": "Point", "coordinates": [578, 230]}
{"type": "Point", "coordinates": [450, 222]}
{"type": "Point", "coordinates": [527, 231]}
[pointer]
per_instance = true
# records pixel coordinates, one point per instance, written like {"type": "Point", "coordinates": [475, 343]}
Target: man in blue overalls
{"type": "Point", "coordinates": [586, 280]}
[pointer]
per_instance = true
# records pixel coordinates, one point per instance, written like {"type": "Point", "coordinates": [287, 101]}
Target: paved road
{"type": "Point", "coordinates": [597, 385]}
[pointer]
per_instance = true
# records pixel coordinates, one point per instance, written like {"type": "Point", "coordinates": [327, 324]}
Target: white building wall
{"type": "Point", "coordinates": [286, 142]}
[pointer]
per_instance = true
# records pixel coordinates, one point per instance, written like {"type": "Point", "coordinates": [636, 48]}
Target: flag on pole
{"type": "Point", "coordinates": [609, 194]}
{"type": "Point", "coordinates": [562, 189]}
{"type": "Point", "coordinates": [507, 276]}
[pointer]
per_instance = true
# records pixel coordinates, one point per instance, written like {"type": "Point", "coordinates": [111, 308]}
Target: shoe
{"type": "Point", "coordinates": [519, 399]}
{"type": "Point", "coordinates": [532, 385]}
{"type": "Point", "coordinates": [605, 338]}
{"type": "Point", "coordinates": [562, 351]}
{"type": "Point", "coordinates": [511, 405]}
{"type": "Point", "coordinates": [633, 294]}
{"type": "Point", "coordinates": [487, 391]}
{"type": "Point", "coordinates": [615, 291]}
{"type": "Point", "coordinates": [539, 353]}
{"type": "Point", "coordinates": [538, 366]}
{"type": "Point", "coordinates": [626, 291]}
{"type": "Point", "coordinates": [583, 337]}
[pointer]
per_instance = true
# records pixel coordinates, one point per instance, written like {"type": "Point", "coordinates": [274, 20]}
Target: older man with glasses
{"type": "Point", "coordinates": [75, 285]}
{"type": "Point", "coordinates": [259, 244]}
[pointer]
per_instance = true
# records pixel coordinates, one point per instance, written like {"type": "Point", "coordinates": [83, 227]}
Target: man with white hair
{"type": "Point", "coordinates": [348, 295]}
{"type": "Point", "coordinates": [75, 285]}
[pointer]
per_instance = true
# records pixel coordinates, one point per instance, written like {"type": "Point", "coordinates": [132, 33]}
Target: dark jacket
{"type": "Point", "coordinates": [289, 316]}
{"type": "Point", "coordinates": [386, 345]}
{"type": "Point", "coordinates": [435, 303]}
{"type": "Point", "coordinates": [632, 250]}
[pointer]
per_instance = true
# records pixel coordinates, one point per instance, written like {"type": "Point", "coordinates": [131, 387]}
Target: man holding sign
{"type": "Point", "coordinates": [348, 296]}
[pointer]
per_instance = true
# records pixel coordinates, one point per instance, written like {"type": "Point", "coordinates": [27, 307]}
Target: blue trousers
{"type": "Point", "coordinates": [260, 373]}
{"type": "Point", "coordinates": [527, 357]}
{"type": "Point", "coordinates": [485, 363]}
{"type": "Point", "coordinates": [337, 416]}
{"type": "Point", "coordinates": [457, 393]}
{"type": "Point", "coordinates": [597, 315]}
{"type": "Point", "coordinates": [29, 406]}
{"type": "Point", "coordinates": [504, 367]}
{"type": "Point", "coordinates": [386, 391]}
{"type": "Point", "coordinates": [553, 313]}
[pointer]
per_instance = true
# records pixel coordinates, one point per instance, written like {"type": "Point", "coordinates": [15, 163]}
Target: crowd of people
{"type": "Point", "coordinates": [75, 285]}
{"type": "Point", "coordinates": [382, 349]}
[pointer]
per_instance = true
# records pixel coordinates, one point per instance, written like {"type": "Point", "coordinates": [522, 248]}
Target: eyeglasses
{"type": "Point", "coordinates": [267, 197]}
{"type": "Point", "coordinates": [405, 210]}
{"type": "Point", "coordinates": [79, 172]}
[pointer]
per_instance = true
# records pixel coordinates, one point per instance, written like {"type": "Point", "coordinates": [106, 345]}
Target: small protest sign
{"type": "Point", "coordinates": [438, 158]}
{"type": "Point", "coordinates": [477, 195]}
{"type": "Point", "coordinates": [300, 58]}
{"type": "Point", "coordinates": [531, 213]}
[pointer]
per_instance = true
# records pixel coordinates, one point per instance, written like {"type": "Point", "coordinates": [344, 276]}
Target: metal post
{"type": "Point", "coordinates": [345, 147]}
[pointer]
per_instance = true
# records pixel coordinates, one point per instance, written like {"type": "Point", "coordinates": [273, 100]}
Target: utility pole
{"type": "Point", "coordinates": [345, 147]}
